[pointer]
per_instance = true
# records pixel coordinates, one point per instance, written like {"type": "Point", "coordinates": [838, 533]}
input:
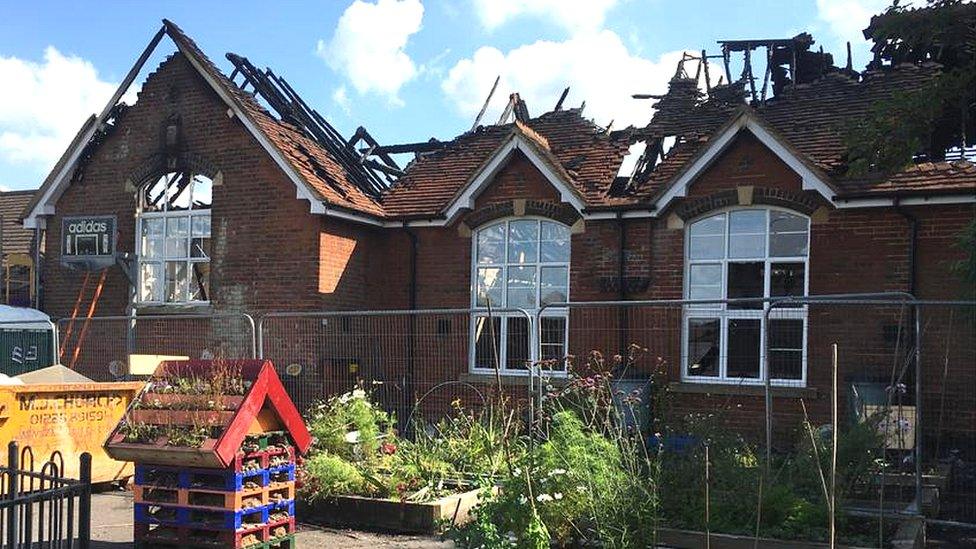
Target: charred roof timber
{"type": "Point", "coordinates": [370, 168]}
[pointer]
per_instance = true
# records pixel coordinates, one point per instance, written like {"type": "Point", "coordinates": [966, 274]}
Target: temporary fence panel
{"type": "Point", "coordinates": [411, 362]}
{"type": "Point", "coordinates": [99, 347]}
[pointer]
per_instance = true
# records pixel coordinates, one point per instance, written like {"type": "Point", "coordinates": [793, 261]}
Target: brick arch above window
{"type": "Point", "coordinates": [803, 202]}
{"type": "Point", "coordinates": [158, 164]}
{"type": "Point", "coordinates": [557, 211]}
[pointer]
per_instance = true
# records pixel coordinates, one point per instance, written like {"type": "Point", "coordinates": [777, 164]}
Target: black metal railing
{"type": "Point", "coordinates": [40, 507]}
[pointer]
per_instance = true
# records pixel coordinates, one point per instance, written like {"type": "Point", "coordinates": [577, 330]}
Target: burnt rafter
{"type": "Point", "coordinates": [371, 169]}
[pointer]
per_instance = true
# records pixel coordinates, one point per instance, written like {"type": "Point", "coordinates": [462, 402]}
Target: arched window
{"type": "Point", "coordinates": [519, 263]}
{"type": "Point", "coordinates": [745, 253]}
{"type": "Point", "coordinates": [173, 239]}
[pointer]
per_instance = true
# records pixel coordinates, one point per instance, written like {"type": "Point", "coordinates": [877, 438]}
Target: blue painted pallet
{"type": "Point", "coordinates": [226, 520]}
{"type": "Point", "coordinates": [214, 479]}
{"type": "Point", "coordinates": [212, 519]}
{"type": "Point", "coordinates": [288, 469]}
{"type": "Point", "coordinates": [288, 505]}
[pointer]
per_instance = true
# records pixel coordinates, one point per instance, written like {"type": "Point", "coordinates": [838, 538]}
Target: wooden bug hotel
{"type": "Point", "coordinates": [215, 446]}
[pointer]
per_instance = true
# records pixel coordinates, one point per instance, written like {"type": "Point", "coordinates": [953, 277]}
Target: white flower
{"type": "Point", "coordinates": [543, 498]}
{"type": "Point", "coordinates": [359, 394]}
{"type": "Point", "coordinates": [352, 437]}
{"type": "Point", "coordinates": [557, 495]}
{"type": "Point", "coordinates": [523, 500]}
{"type": "Point", "coordinates": [517, 471]}
{"type": "Point", "coordinates": [556, 472]}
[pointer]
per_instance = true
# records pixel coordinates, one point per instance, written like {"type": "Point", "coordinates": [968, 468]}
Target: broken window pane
{"type": "Point", "coordinates": [176, 281]}
{"type": "Point", "coordinates": [554, 339]}
{"type": "Point", "coordinates": [521, 287]}
{"type": "Point", "coordinates": [491, 244]}
{"type": "Point", "coordinates": [743, 355]}
{"type": "Point", "coordinates": [490, 287]}
{"type": "Point", "coordinates": [787, 279]}
{"type": "Point", "coordinates": [703, 346]}
{"type": "Point", "coordinates": [202, 192]}
{"type": "Point", "coordinates": [200, 281]}
{"type": "Point", "coordinates": [746, 280]}
{"type": "Point", "coordinates": [517, 348]}
{"type": "Point", "coordinates": [487, 338]}
{"type": "Point", "coordinates": [151, 282]}
{"type": "Point", "coordinates": [554, 284]}
{"type": "Point", "coordinates": [786, 348]}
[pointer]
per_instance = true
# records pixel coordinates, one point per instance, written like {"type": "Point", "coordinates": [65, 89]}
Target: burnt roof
{"type": "Point", "coordinates": [586, 153]}
{"type": "Point", "coordinates": [810, 118]}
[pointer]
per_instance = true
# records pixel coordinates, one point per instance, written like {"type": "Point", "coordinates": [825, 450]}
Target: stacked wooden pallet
{"type": "Point", "coordinates": [249, 504]}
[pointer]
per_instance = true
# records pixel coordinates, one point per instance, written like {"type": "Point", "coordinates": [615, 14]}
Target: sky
{"type": "Point", "coordinates": [407, 70]}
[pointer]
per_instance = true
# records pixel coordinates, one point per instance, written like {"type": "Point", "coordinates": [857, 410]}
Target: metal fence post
{"type": "Point", "coordinates": [13, 477]}
{"type": "Point", "coordinates": [84, 503]}
{"type": "Point", "coordinates": [918, 408]}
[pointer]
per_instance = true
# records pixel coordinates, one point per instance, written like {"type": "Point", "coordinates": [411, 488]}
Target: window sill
{"type": "Point", "coordinates": [741, 390]}
{"type": "Point", "coordinates": [509, 379]}
{"type": "Point", "coordinates": [174, 309]}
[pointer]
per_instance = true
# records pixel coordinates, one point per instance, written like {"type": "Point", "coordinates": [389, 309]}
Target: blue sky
{"type": "Point", "coordinates": [405, 69]}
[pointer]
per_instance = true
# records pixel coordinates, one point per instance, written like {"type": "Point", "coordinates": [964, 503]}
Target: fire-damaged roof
{"type": "Point", "coordinates": [583, 153]}
{"type": "Point", "coordinates": [357, 178]}
{"type": "Point", "coordinates": [810, 118]}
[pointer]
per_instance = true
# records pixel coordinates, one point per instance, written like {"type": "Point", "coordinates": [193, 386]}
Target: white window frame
{"type": "Point", "coordinates": [480, 311]}
{"type": "Point", "coordinates": [189, 214]}
{"type": "Point", "coordinates": [723, 313]}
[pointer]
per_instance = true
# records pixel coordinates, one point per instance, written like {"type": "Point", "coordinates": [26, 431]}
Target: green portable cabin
{"type": "Point", "coordinates": [26, 340]}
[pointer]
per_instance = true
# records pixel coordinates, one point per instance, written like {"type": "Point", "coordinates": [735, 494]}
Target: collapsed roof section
{"type": "Point", "coordinates": [807, 117]}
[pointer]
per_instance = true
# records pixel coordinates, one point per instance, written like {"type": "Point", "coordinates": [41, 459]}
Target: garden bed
{"type": "Point", "coordinates": [909, 534]}
{"type": "Point", "coordinates": [388, 515]}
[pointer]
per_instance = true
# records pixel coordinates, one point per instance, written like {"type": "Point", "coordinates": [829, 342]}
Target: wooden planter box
{"type": "Point", "coordinates": [391, 515]}
{"type": "Point", "coordinates": [909, 535]}
{"type": "Point", "coordinates": [176, 401]}
{"type": "Point", "coordinates": [160, 453]}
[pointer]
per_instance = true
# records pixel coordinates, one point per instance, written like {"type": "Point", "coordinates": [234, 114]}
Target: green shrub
{"type": "Point", "coordinates": [349, 426]}
{"type": "Point", "coordinates": [328, 475]}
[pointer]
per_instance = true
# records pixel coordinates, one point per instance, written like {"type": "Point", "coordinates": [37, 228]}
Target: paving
{"type": "Point", "coordinates": [112, 529]}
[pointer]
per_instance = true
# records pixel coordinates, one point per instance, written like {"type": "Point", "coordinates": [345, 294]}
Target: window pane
{"type": "Point", "coordinates": [152, 238]}
{"type": "Point", "coordinates": [486, 338]}
{"type": "Point", "coordinates": [491, 244]}
{"type": "Point", "coordinates": [521, 287]}
{"type": "Point", "coordinates": [151, 282]}
{"type": "Point", "coordinates": [523, 252]}
{"type": "Point", "coordinates": [555, 243]}
{"type": "Point", "coordinates": [201, 225]}
{"type": "Point", "coordinates": [703, 350]}
{"type": "Point", "coordinates": [782, 222]}
{"type": "Point", "coordinates": [200, 281]}
{"type": "Point", "coordinates": [747, 245]}
{"type": "Point", "coordinates": [176, 281]}
{"type": "Point", "coordinates": [786, 349]}
{"type": "Point", "coordinates": [554, 340]}
{"type": "Point", "coordinates": [177, 230]}
{"type": "Point", "coordinates": [705, 282]}
{"type": "Point", "coordinates": [523, 231]}
{"type": "Point", "coordinates": [707, 247]}
{"type": "Point", "coordinates": [788, 245]}
{"type": "Point", "coordinates": [788, 234]}
{"type": "Point", "coordinates": [743, 345]}
{"type": "Point", "coordinates": [517, 346]}
{"type": "Point", "coordinates": [786, 279]}
{"type": "Point", "coordinates": [200, 247]}
{"type": "Point", "coordinates": [746, 280]}
{"type": "Point", "coordinates": [714, 225]}
{"type": "Point", "coordinates": [202, 192]}
{"type": "Point", "coordinates": [555, 281]}
{"type": "Point", "coordinates": [748, 222]}
{"type": "Point", "coordinates": [490, 287]}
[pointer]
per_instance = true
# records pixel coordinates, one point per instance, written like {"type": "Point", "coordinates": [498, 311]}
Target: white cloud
{"type": "Point", "coordinates": [42, 105]}
{"type": "Point", "coordinates": [341, 98]}
{"type": "Point", "coordinates": [574, 15]}
{"type": "Point", "coordinates": [369, 43]}
{"type": "Point", "coordinates": [596, 65]}
{"type": "Point", "coordinates": [845, 21]}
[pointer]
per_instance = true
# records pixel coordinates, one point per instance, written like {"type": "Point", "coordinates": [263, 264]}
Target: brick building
{"type": "Point", "coordinates": [220, 206]}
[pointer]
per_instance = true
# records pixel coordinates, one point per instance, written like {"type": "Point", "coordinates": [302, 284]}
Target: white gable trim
{"type": "Point", "coordinates": [486, 175]}
{"type": "Point", "coordinates": [719, 143]}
